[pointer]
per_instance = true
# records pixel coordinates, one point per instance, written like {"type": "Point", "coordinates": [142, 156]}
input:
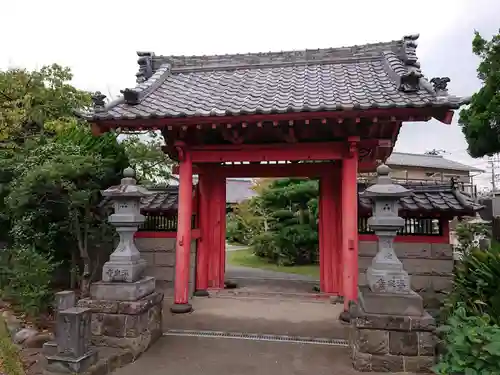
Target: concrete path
{"type": "Point", "coordinates": [228, 356]}
{"type": "Point", "coordinates": [265, 315]}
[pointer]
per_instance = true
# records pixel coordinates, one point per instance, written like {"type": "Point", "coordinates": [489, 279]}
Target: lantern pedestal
{"type": "Point", "coordinates": [410, 304]}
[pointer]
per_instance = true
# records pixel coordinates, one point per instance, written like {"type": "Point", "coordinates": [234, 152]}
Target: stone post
{"type": "Point", "coordinates": [62, 301]}
{"type": "Point", "coordinates": [73, 353]}
{"type": "Point", "coordinates": [391, 331]}
{"type": "Point", "coordinates": [126, 309]}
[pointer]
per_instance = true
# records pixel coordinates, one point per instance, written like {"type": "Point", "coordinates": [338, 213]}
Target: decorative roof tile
{"type": "Point", "coordinates": [383, 75]}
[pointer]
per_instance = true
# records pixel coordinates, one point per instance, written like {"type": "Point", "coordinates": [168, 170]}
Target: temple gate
{"type": "Point", "coordinates": [327, 114]}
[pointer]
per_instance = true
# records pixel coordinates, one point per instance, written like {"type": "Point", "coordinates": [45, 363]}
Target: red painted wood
{"type": "Point", "coordinates": [336, 230]}
{"type": "Point", "coordinates": [338, 266]}
{"type": "Point", "coordinates": [222, 237]}
{"type": "Point", "coordinates": [195, 234]}
{"type": "Point", "coordinates": [203, 244]}
{"type": "Point", "coordinates": [327, 232]}
{"type": "Point", "coordinates": [322, 237]}
{"type": "Point", "coordinates": [272, 152]}
{"type": "Point", "coordinates": [183, 246]}
{"type": "Point", "coordinates": [218, 201]}
{"type": "Point", "coordinates": [350, 228]}
{"type": "Point", "coordinates": [272, 170]}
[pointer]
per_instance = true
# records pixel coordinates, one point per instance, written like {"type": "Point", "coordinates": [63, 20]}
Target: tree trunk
{"type": "Point", "coordinates": [82, 237]}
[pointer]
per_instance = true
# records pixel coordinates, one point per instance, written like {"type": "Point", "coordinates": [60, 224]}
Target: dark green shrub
{"type": "Point", "coordinates": [296, 244]}
{"type": "Point", "coordinates": [26, 277]}
{"type": "Point", "coordinates": [263, 245]}
{"type": "Point", "coordinates": [476, 283]}
{"type": "Point", "coordinates": [472, 345]}
{"type": "Point", "coordinates": [235, 232]}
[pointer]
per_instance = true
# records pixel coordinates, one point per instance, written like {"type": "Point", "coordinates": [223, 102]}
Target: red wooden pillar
{"type": "Point", "coordinates": [338, 265]}
{"type": "Point", "coordinates": [222, 243]}
{"type": "Point", "coordinates": [217, 216]}
{"type": "Point", "coordinates": [202, 252]}
{"type": "Point", "coordinates": [350, 224]}
{"type": "Point", "coordinates": [327, 233]}
{"type": "Point", "coordinates": [324, 261]}
{"type": "Point", "coordinates": [183, 244]}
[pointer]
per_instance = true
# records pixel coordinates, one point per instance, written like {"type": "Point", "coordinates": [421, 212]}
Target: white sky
{"type": "Point", "coordinates": [99, 39]}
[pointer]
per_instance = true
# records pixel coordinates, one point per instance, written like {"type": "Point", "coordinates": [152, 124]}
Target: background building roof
{"type": "Point", "coordinates": [238, 190]}
{"type": "Point", "coordinates": [436, 198]}
{"type": "Point", "coordinates": [402, 159]}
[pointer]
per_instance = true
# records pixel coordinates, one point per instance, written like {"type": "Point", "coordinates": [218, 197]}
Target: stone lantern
{"type": "Point", "coordinates": [125, 263]}
{"type": "Point", "coordinates": [386, 273]}
{"type": "Point", "coordinates": [391, 330]}
{"type": "Point", "coordinates": [126, 307]}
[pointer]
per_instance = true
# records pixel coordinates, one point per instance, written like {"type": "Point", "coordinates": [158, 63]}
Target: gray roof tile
{"type": "Point", "coordinates": [358, 77]}
{"type": "Point", "coordinates": [441, 198]}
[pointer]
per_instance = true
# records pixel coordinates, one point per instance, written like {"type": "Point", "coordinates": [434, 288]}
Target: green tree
{"type": "Point", "coordinates": [32, 102]}
{"type": "Point", "coordinates": [146, 156]}
{"type": "Point", "coordinates": [285, 216]}
{"type": "Point", "coordinates": [481, 119]}
{"type": "Point", "coordinates": [52, 169]}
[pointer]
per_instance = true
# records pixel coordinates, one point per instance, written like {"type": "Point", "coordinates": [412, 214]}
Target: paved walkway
{"type": "Point", "coordinates": [221, 356]}
{"type": "Point", "coordinates": [266, 315]}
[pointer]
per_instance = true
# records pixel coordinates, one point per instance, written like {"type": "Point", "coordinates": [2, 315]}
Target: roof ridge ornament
{"type": "Point", "coordinates": [440, 85]}
{"type": "Point", "coordinates": [410, 81]}
{"type": "Point", "coordinates": [145, 62]}
{"type": "Point", "coordinates": [98, 101]}
{"type": "Point", "coordinates": [131, 96]}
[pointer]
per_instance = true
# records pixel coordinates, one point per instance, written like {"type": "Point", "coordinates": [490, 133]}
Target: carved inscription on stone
{"type": "Point", "coordinates": [116, 274]}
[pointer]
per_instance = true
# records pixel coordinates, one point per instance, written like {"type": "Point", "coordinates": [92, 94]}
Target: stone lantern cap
{"type": "Point", "coordinates": [384, 187]}
{"type": "Point", "coordinates": [128, 187]}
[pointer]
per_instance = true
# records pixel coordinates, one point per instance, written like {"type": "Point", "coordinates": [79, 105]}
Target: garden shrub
{"type": "Point", "coordinates": [472, 344]}
{"type": "Point", "coordinates": [296, 245]}
{"type": "Point", "coordinates": [476, 283]}
{"type": "Point", "coordinates": [234, 229]}
{"type": "Point", "coordinates": [26, 278]}
{"type": "Point", "coordinates": [263, 245]}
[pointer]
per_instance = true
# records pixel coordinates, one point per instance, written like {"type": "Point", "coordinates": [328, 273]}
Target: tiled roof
{"type": "Point", "coordinates": [424, 198]}
{"type": "Point", "coordinates": [383, 75]}
{"type": "Point", "coordinates": [431, 197]}
{"type": "Point", "coordinates": [427, 161]}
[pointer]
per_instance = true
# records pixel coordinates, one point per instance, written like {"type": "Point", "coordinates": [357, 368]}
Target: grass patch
{"type": "Point", "coordinates": [10, 363]}
{"type": "Point", "coordinates": [246, 258]}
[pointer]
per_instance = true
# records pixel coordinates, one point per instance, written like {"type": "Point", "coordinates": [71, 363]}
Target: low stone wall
{"type": "Point", "coordinates": [430, 267]}
{"type": "Point", "coordinates": [159, 254]}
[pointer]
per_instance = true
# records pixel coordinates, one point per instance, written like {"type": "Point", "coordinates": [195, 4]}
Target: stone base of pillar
{"type": "Point", "coordinates": [127, 324]}
{"type": "Point", "coordinates": [391, 342]}
{"type": "Point", "coordinates": [201, 293]}
{"type": "Point", "coordinates": [67, 365]}
{"type": "Point", "coordinates": [181, 308]}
